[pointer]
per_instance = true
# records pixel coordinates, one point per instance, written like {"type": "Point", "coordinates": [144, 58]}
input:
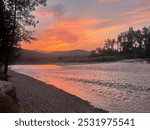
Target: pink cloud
{"type": "Point", "coordinates": [108, 1]}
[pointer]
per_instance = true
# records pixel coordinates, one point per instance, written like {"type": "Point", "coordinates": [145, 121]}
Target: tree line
{"type": "Point", "coordinates": [129, 44]}
{"type": "Point", "coordinates": [15, 15]}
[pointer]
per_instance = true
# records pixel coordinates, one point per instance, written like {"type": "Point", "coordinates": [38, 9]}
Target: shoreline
{"type": "Point", "coordinates": [147, 60]}
{"type": "Point", "coordinates": [38, 97]}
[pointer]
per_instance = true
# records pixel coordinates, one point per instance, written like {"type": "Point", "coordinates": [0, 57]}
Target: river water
{"type": "Point", "coordinates": [116, 87]}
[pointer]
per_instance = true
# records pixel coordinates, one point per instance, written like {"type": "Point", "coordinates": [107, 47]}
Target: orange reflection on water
{"type": "Point", "coordinates": [54, 76]}
{"type": "Point", "coordinates": [45, 67]}
{"type": "Point", "coordinates": [68, 86]}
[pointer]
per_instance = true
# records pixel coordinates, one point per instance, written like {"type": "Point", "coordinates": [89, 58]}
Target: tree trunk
{"type": "Point", "coordinates": [6, 63]}
{"type": "Point", "coordinates": [12, 42]}
{"type": "Point", "coordinates": [6, 67]}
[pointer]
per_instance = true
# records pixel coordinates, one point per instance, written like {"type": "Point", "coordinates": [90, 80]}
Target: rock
{"type": "Point", "coordinates": [9, 89]}
{"type": "Point", "coordinates": [8, 100]}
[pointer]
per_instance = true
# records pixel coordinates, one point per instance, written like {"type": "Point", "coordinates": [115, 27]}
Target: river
{"type": "Point", "coordinates": [117, 86]}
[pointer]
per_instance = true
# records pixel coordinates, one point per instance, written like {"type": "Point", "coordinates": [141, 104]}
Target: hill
{"type": "Point", "coordinates": [71, 53]}
{"type": "Point", "coordinates": [29, 56]}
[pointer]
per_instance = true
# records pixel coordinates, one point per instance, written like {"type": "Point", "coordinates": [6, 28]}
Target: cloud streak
{"type": "Point", "coordinates": [67, 25]}
{"type": "Point", "coordinates": [57, 11]}
{"type": "Point", "coordinates": [108, 1]}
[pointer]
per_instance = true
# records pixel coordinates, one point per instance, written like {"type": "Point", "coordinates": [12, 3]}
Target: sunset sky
{"type": "Point", "coordinates": [85, 24]}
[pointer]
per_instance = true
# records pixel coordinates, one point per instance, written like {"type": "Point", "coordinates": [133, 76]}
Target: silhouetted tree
{"type": "Point", "coordinates": [93, 53]}
{"type": "Point", "coordinates": [139, 44]}
{"type": "Point", "coordinates": [5, 30]}
{"type": "Point", "coordinates": [146, 40]}
{"type": "Point", "coordinates": [109, 44]}
{"type": "Point", "coordinates": [132, 44]}
{"type": "Point", "coordinates": [18, 13]}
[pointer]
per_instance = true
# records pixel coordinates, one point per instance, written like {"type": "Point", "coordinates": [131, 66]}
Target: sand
{"type": "Point", "coordinates": [38, 97]}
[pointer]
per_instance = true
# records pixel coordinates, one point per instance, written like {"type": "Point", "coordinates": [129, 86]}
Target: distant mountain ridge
{"type": "Point", "coordinates": [65, 53]}
{"type": "Point", "coordinates": [28, 55]}
{"type": "Point", "coordinates": [71, 53]}
{"type": "Point", "coordinates": [38, 55]}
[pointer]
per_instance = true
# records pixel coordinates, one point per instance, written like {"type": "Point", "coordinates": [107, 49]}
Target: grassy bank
{"type": "Point", "coordinates": [73, 60]}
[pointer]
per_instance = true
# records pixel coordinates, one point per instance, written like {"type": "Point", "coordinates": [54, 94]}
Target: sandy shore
{"type": "Point", "coordinates": [37, 97]}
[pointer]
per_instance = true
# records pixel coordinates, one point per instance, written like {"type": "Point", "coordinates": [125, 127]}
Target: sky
{"type": "Point", "coordinates": [86, 24]}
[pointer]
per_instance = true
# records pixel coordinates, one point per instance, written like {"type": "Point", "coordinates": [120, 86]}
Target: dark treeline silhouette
{"type": "Point", "coordinates": [14, 16]}
{"type": "Point", "coordinates": [129, 44]}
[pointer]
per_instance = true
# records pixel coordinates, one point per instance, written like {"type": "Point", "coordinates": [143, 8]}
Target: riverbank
{"type": "Point", "coordinates": [37, 97]}
{"type": "Point", "coordinates": [106, 59]}
{"type": "Point", "coordinates": [8, 100]}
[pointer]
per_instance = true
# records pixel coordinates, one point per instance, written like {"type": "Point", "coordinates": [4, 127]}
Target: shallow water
{"type": "Point", "coordinates": [116, 87]}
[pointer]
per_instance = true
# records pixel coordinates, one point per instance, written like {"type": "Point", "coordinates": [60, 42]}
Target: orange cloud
{"type": "Point", "coordinates": [75, 25]}
{"type": "Point", "coordinates": [67, 34]}
{"type": "Point", "coordinates": [83, 33]}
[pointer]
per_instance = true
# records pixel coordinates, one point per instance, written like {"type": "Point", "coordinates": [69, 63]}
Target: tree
{"type": "Point", "coordinates": [146, 40]}
{"type": "Point", "coordinates": [131, 44]}
{"type": "Point", "coordinates": [21, 16]}
{"type": "Point", "coordinates": [126, 40]}
{"type": "Point", "coordinates": [139, 44]}
{"type": "Point", "coordinates": [109, 44]}
{"type": "Point", "coordinates": [5, 30]}
{"type": "Point", "coordinates": [93, 53]}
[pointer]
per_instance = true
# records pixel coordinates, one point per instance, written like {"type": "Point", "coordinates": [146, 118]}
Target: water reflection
{"type": "Point", "coordinates": [117, 87]}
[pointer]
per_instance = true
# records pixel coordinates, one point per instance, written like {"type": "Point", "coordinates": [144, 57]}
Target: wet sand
{"type": "Point", "coordinates": [38, 97]}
